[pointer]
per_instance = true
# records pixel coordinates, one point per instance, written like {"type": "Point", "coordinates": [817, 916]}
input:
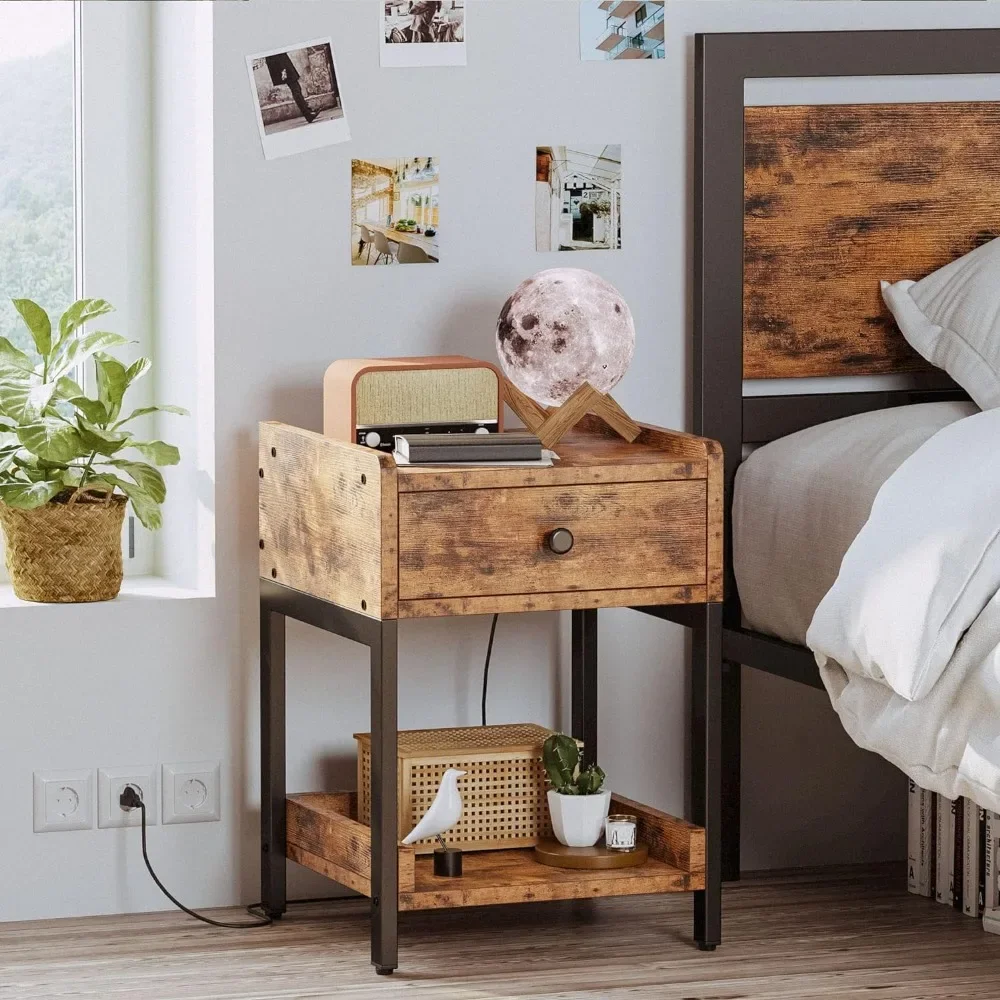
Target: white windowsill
{"type": "Point", "coordinates": [134, 588]}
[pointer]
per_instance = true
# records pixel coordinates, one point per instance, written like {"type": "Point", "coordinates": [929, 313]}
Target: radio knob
{"type": "Point", "coordinates": [560, 541]}
{"type": "Point", "coordinates": [373, 439]}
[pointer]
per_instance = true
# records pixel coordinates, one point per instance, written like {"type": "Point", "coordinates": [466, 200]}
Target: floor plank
{"type": "Point", "coordinates": [789, 936]}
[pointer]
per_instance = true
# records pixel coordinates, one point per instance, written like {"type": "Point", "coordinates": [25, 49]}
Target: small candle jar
{"type": "Point", "coordinates": [619, 832]}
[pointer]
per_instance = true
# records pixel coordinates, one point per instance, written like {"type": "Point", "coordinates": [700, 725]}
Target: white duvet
{"type": "Point", "coordinates": [908, 638]}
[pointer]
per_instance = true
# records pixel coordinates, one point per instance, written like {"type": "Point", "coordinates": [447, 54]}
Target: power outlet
{"type": "Point", "coordinates": [63, 800]}
{"type": "Point", "coordinates": [191, 792]}
{"type": "Point", "coordinates": [111, 782]}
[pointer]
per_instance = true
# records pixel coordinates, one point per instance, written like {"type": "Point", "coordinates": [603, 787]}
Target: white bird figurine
{"type": "Point", "coordinates": [444, 811]}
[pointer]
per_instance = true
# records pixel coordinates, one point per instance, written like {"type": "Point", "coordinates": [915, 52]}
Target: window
{"type": "Point", "coordinates": [37, 160]}
{"type": "Point", "coordinates": [74, 100]}
{"type": "Point", "coordinates": [640, 14]}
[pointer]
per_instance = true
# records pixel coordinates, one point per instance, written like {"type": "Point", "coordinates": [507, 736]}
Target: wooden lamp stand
{"type": "Point", "coordinates": [552, 423]}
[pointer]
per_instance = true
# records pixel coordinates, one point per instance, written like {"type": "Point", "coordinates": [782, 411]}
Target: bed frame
{"type": "Point", "coordinates": [798, 212]}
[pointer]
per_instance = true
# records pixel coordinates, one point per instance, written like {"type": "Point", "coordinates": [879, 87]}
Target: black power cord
{"type": "Point", "coordinates": [131, 799]}
{"type": "Point", "coordinates": [486, 668]}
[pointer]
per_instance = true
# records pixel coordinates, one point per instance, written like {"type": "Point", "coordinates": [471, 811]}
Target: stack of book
{"type": "Point", "coordinates": [952, 854]}
{"type": "Point", "coordinates": [510, 448]}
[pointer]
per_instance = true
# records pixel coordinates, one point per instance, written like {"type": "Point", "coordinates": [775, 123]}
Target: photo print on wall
{"type": "Point", "coordinates": [422, 32]}
{"type": "Point", "coordinates": [394, 211]}
{"type": "Point", "coordinates": [621, 29]}
{"type": "Point", "coordinates": [297, 98]}
{"type": "Point", "coordinates": [578, 198]}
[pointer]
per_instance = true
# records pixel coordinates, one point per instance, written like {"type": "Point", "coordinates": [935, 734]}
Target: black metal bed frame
{"type": "Point", "coordinates": [723, 62]}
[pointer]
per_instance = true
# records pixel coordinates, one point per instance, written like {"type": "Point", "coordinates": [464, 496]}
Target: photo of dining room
{"type": "Point", "coordinates": [394, 211]}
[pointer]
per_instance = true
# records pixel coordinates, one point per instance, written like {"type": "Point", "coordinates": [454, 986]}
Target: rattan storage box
{"type": "Point", "coordinates": [503, 794]}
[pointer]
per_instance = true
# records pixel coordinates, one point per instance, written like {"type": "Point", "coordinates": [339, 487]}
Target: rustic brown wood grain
{"type": "Point", "coordinates": [319, 825]}
{"type": "Point", "coordinates": [323, 837]}
{"type": "Point", "coordinates": [567, 601]}
{"type": "Point", "coordinates": [826, 935]}
{"type": "Point", "coordinates": [675, 841]}
{"type": "Point", "coordinates": [327, 519]}
{"type": "Point", "coordinates": [838, 197]}
{"type": "Point", "coordinates": [473, 543]}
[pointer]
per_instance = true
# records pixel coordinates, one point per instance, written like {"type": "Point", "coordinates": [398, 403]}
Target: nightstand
{"type": "Point", "coordinates": [351, 543]}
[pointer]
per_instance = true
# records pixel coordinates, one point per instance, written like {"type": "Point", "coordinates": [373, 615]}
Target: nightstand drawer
{"type": "Point", "coordinates": [481, 542]}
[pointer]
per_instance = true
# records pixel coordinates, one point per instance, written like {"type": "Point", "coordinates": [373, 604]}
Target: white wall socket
{"type": "Point", "coordinates": [111, 782]}
{"type": "Point", "coordinates": [63, 800]}
{"type": "Point", "coordinates": [190, 792]}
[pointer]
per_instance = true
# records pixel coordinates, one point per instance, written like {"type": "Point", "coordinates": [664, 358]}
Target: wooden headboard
{"type": "Point", "coordinates": [837, 197]}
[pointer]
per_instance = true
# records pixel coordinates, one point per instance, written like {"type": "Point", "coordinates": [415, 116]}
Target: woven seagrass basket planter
{"type": "Point", "coordinates": [65, 553]}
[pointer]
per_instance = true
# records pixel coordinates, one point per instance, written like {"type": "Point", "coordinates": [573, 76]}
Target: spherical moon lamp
{"type": "Point", "coordinates": [561, 328]}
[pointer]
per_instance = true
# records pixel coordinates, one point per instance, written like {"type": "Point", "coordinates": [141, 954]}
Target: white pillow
{"type": "Point", "coordinates": [952, 318]}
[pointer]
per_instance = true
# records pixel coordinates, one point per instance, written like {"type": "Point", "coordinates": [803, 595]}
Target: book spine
{"type": "Point", "coordinates": [919, 840]}
{"type": "Point", "coordinates": [926, 842]}
{"type": "Point", "coordinates": [912, 837]}
{"type": "Point", "coordinates": [959, 855]}
{"type": "Point", "coordinates": [944, 879]}
{"type": "Point", "coordinates": [970, 859]}
{"type": "Point", "coordinates": [472, 453]}
{"type": "Point", "coordinates": [991, 863]}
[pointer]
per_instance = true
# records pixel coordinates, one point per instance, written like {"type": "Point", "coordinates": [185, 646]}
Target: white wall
{"type": "Point", "coordinates": [143, 681]}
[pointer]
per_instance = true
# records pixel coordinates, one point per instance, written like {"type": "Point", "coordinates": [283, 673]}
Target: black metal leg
{"type": "Point", "coordinates": [272, 761]}
{"type": "Point", "coordinates": [384, 822]}
{"type": "Point", "coordinates": [584, 692]}
{"type": "Point", "coordinates": [731, 738]}
{"type": "Point", "coordinates": [706, 768]}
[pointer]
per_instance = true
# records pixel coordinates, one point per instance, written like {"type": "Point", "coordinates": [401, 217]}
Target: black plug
{"type": "Point", "coordinates": [129, 799]}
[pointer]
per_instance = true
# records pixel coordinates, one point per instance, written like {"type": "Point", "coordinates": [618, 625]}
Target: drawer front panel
{"type": "Point", "coordinates": [460, 543]}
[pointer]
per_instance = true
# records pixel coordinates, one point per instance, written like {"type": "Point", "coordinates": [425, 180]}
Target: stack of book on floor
{"type": "Point", "coordinates": [509, 448]}
{"type": "Point", "coordinates": [952, 854]}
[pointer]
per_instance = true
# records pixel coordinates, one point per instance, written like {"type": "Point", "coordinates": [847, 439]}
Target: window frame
{"type": "Point", "coordinates": [112, 78]}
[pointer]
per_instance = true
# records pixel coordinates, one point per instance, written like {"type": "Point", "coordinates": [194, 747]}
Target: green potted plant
{"type": "Point", "coordinates": [578, 804]}
{"type": "Point", "coordinates": [69, 462]}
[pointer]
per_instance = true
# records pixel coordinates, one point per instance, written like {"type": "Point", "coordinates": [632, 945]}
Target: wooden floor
{"type": "Point", "coordinates": [829, 935]}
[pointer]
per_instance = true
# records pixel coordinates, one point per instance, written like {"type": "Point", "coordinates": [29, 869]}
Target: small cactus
{"type": "Point", "coordinates": [561, 759]}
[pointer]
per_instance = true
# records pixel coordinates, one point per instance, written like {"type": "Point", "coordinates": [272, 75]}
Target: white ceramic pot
{"type": "Point", "coordinates": [578, 820]}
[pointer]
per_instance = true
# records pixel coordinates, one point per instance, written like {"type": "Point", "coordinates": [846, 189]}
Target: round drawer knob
{"type": "Point", "coordinates": [560, 541]}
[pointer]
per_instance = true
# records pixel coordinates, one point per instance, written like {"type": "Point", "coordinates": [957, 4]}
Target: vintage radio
{"type": "Point", "coordinates": [370, 400]}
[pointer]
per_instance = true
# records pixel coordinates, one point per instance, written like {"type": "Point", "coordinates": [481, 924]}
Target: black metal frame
{"type": "Point", "coordinates": [278, 603]}
{"type": "Point", "coordinates": [723, 63]}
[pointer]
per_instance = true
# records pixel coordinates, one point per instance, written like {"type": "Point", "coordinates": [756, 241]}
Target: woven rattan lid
{"type": "Point", "coordinates": [523, 737]}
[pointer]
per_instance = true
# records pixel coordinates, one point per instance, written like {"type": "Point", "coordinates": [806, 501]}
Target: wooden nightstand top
{"type": "Point", "coordinates": [343, 523]}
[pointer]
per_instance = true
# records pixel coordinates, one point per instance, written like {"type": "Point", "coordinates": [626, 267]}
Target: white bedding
{"type": "Point", "coordinates": [800, 501]}
{"type": "Point", "coordinates": [908, 637]}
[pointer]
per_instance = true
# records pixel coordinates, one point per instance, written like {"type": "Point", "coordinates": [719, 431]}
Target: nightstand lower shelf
{"type": "Point", "coordinates": [322, 834]}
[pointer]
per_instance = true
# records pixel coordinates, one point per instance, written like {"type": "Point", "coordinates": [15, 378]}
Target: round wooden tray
{"type": "Point", "coordinates": [556, 855]}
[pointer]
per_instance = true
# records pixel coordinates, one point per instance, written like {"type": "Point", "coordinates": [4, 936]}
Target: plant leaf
{"type": "Point", "coordinates": [157, 452]}
{"type": "Point", "coordinates": [560, 756]}
{"type": "Point", "coordinates": [36, 319]}
{"type": "Point", "coordinates": [11, 357]}
{"type": "Point", "coordinates": [112, 381]}
{"type": "Point", "coordinates": [145, 507]}
{"type": "Point", "coordinates": [146, 477]}
{"type": "Point", "coordinates": [28, 495]}
{"type": "Point", "coordinates": [137, 369]}
{"type": "Point", "coordinates": [98, 439]}
{"type": "Point", "coordinates": [7, 453]}
{"type": "Point", "coordinates": [143, 410]}
{"type": "Point", "coordinates": [71, 353]}
{"type": "Point", "coordinates": [14, 394]}
{"type": "Point", "coordinates": [79, 313]}
{"type": "Point", "coordinates": [91, 409]}
{"type": "Point", "coordinates": [52, 439]}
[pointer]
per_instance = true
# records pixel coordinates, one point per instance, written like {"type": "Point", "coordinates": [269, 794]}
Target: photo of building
{"type": "Point", "coordinates": [621, 29]}
{"type": "Point", "coordinates": [578, 198]}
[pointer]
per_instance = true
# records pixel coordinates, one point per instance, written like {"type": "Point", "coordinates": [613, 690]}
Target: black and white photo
{"type": "Point", "coordinates": [422, 32]}
{"type": "Point", "coordinates": [297, 98]}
